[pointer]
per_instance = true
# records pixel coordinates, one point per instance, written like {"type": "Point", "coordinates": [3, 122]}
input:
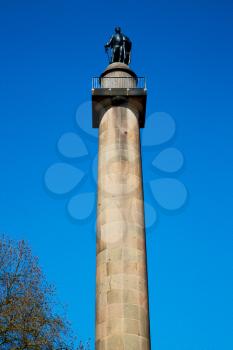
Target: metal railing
{"type": "Point", "coordinates": [118, 83]}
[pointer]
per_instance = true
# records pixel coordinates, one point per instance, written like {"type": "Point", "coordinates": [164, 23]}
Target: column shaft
{"type": "Point", "coordinates": [122, 320]}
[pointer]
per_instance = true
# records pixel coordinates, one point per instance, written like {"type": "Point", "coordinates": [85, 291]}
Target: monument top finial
{"type": "Point", "coordinates": [120, 46]}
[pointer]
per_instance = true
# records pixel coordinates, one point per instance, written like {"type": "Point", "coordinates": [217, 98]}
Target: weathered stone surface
{"type": "Point", "coordinates": [122, 321]}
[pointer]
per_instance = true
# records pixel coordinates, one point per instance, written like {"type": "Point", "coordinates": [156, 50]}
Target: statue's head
{"type": "Point", "coordinates": [118, 30]}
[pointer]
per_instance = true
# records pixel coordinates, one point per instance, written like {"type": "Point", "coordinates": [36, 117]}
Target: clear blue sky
{"type": "Point", "coordinates": [49, 52]}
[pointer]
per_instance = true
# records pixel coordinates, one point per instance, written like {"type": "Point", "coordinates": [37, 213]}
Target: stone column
{"type": "Point", "coordinates": [122, 316]}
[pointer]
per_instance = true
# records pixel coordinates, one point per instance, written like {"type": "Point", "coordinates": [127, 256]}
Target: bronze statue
{"type": "Point", "coordinates": [121, 47]}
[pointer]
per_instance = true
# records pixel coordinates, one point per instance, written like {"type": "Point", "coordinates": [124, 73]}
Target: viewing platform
{"type": "Point", "coordinates": [118, 85]}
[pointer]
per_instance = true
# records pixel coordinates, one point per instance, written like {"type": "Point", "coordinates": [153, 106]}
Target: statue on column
{"type": "Point", "coordinates": [120, 46]}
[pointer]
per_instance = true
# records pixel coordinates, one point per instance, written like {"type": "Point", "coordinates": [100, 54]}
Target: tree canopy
{"type": "Point", "coordinates": [27, 317]}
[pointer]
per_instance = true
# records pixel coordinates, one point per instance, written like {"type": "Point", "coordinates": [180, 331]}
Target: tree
{"type": "Point", "coordinates": [27, 319]}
